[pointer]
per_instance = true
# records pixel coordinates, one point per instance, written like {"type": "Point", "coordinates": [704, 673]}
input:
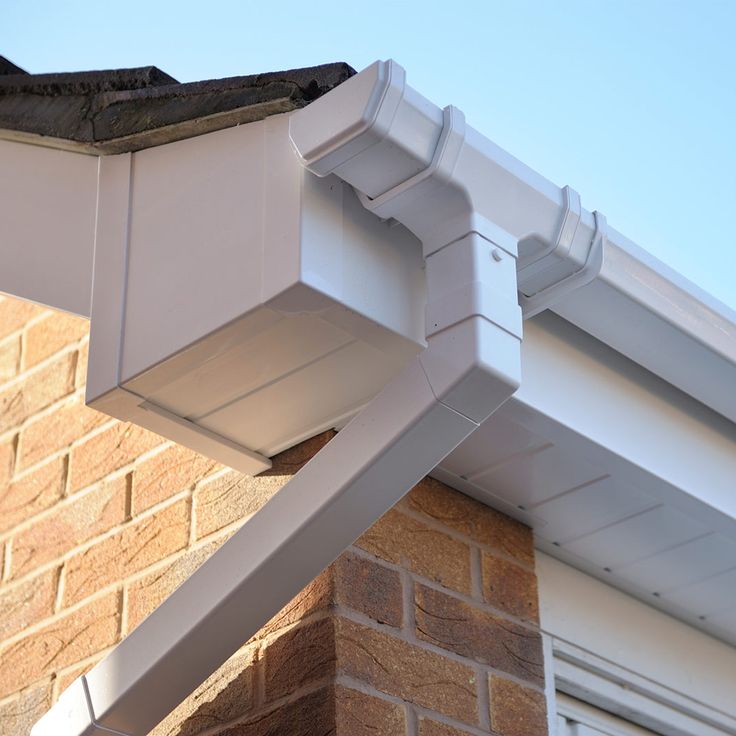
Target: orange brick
{"type": "Point", "coordinates": [510, 587]}
{"type": "Point", "coordinates": [234, 497]}
{"type": "Point", "coordinates": [428, 727]}
{"type": "Point", "coordinates": [163, 475]}
{"type": "Point", "coordinates": [298, 657]}
{"type": "Point", "coordinates": [132, 549]}
{"type": "Point", "coordinates": [149, 592]}
{"type": "Point", "coordinates": [70, 639]}
{"type": "Point", "coordinates": [9, 358]}
{"type": "Point", "coordinates": [312, 714]}
{"type": "Point", "coordinates": [36, 392]}
{"type": "Point", "coordinates": [289, 461]}
{"type": "Point", "coordinates": [18, 715]}
{"type": "Point", "coordinates": [51, 334]}
{"type": "Point", "coordinates": [58, 430]}
{"type": "Point", "coordinates": [410, 672]}
{"type": "Point", "coordinates": [452, 624]}
{"type": "Point", "coordinates": [403, 540]}
{"type": "Point", "coordinates": [358, 714]}
{"type": "Point", "coordinates": [68, 526]}
{"type": "Point", "coordinates": [516, 710]}
{"type": "Point", "coordinates": [472, 518]}
{"type": "Point", "coordinates": [27, 603]}
{"type": "Point", "coordinates": [368, 587]}
{"type": "Point", "coordinates": [107, 451]}
{"type": "Point", "coordinates": [224, 696]}
{"type": "Point", "coordinates": [14, 313]}
{"type": "Point", "coordinates": [33, 493]}
{"type": "Point", "coordinates": [67, 676]}
{"type": "Point", "coordinates": [317, 596]}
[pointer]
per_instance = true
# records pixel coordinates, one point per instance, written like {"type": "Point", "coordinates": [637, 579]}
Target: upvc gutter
{"type": "Point", "coordinates": [475, 210]}
{"type": "Point", "coordinates": [470, 367]}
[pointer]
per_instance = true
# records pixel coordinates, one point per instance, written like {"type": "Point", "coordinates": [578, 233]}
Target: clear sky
{"type": "Point", "coordinates": [631, 102]}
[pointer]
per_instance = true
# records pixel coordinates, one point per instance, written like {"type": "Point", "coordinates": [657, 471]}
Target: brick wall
{"type": "Point", "coordinates": [427, 626]}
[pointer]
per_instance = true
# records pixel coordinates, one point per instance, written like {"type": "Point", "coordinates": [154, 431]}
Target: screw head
{"type": "Point", "coordinates": [496, 254]}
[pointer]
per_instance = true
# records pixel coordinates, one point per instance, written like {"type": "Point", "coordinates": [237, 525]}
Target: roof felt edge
{"type": "Point", "coordinates": [129, 109]}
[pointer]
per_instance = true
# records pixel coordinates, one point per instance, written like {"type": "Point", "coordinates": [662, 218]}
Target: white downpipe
{"type": "Point", "coordinates": [470, 367]}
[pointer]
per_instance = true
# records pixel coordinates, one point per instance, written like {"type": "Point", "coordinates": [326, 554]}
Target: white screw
{"type": "Point", "coordinates": [496, 254]}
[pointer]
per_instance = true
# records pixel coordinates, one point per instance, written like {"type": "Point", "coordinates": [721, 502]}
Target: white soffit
{"type": "Point", "coordinates": [618, 473]}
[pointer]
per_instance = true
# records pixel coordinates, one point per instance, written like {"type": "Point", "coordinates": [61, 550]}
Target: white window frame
{"type": "Point", "coordinates": [587, 625]}
{"type": "Point", "coordinates": [576, 718]}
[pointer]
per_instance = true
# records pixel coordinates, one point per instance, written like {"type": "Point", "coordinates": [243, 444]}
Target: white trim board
{"type": "Point", "coordinates": [619, 654]}
{"type": "Point", "coordinates": [577, 718]}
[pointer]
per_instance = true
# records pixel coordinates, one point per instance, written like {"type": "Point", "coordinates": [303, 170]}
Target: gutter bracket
{"type": "Point", "coordinates": [542, 299]}
{"type": "Point", "coordinates": [438, 173]}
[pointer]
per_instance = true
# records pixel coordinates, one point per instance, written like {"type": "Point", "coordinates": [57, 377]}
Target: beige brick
{"type": "Point", "coordinates": [234, 497]}
{"type": "Point", "coordinates": [70, 639]}
{"type": "Point", "coordinates": [301, 655]}
{"type": "Point", "coordinates": [149, 592]}
{"type": "Point", "coordinates": [426, 551]}
{"type": "Point", "coordinates": [36, 392]}
{"type": "Point", "coordinates": [231, 497]}
{"type": "Point", "coordinates": [358, 714]}
{"type": "Point", "coordinates": [472, 518]}
{"type": "Point", "coordinates": [82, 364]}
{"type": "Point", "coordinates": [428, 727]}
{"type": "Point", "coordinates": [107, 451]}
{"type": "Point", "coordinates": [167, 473]}
{"type": "Point", "coordinates": [18, 715]}
{"type": "Point", "coordinates": [516, 710]}
{"type": "Point", "coordinates": [128, 551]}
{"type": "Point", "coordinates": [369, 587]}
{"type": "Point", "coordinates": [58, 430]}
{"type": "Point", "coordinates": [14, 313]}
{"type": "Point", "coordinates": [224, 696]}
{"type": "Point", "coordinates": [452, 624]}
{"type": "Point", "coordinates": [27, 603]}
{"type": "Point", "coordinates": [9, 358]}
{"type": "Point", "coordinates": [410, 672]}
{"type": "Point", "coordinates": [51, 334]}
{"type": "Point", "coordinates": [312, 714]}
{"type": "Point", "coordinates": [33, 493]}
{"type": "Point", "coordinates": [510, 588]}
{"type": "Point", "coordinates": [70, 525]}
{"type": "Point", "coordinates": [7, 458]}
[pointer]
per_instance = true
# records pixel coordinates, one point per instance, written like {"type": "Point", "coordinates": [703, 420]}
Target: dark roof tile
{"type": "Point", "coordinates": [129, 109]}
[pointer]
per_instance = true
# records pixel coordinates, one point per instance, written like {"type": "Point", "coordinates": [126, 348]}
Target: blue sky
{"type": "Point", "coordinates": [632, 103]}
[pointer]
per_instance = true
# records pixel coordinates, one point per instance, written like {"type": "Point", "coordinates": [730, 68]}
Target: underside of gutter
{"type": "Point", "coordinates": [494, 235]}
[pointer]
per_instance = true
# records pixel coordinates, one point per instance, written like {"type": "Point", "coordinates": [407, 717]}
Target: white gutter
{"type": "Point", "coordinates": [470, 204]}
{"type": "Point", "coordinates": [634, 301]}
{"type": "Point", "coordinates": [470, 367]}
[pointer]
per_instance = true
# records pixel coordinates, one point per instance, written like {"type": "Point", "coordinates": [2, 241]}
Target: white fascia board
{"type": "Point", "coordinates": [617, 410]}
{"type": "Point", "coordinates": [642, 308]}
{"type": "Point", "coordinates": [47, 208]}
{"type": "Point", "coordinates": [610, 648]}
